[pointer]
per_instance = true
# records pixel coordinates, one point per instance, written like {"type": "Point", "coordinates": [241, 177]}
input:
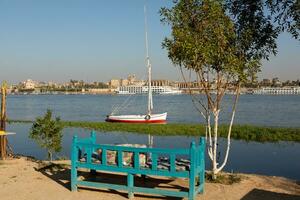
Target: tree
{"type": "Point", "coordinates": [47, 132]}
{"type": "Point", "coordinates": [222, 46]}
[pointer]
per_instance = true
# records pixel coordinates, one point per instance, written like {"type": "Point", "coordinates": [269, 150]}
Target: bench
{"type": "Point", "coordinates": [86, 147]}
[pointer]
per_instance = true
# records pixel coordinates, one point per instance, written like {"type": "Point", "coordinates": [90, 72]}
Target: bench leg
{"type": "Point", "coordinates": [201, 181]}
{"type": "Point", "coordinates": [73, 178]}
{"type": "Point", "coordinates": [130, 184]}
{"type": "Point", "coordinates": [192, 188]}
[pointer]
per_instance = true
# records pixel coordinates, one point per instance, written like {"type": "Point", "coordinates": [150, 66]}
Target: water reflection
{"type": "Point", "coordinates": [278, 159]}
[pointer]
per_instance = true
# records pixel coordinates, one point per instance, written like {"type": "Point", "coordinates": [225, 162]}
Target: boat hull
{"type": "Point", "coordinates": [153, 118]}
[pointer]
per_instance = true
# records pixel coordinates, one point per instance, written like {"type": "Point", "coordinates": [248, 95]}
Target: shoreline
{"type": "Point", "coordinates": [22, 178]}
{"type": "Point", "coordinates": [114, 93]}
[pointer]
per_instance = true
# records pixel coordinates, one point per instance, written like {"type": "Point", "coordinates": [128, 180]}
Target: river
{"type": "Point", "coordinates": [279, 159]}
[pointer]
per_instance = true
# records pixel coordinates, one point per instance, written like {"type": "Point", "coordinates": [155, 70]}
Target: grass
{"type": "Point", "coordinates": [239, 132]}
{"type": "Point", "coordinates": [224, 178]}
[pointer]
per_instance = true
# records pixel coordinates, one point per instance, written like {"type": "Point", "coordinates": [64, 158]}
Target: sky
{"type": "Point", "coordinates": [99, 40]}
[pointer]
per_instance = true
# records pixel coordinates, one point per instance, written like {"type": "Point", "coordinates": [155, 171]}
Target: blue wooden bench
{"type": "Point", "coordinates": [195, 173]}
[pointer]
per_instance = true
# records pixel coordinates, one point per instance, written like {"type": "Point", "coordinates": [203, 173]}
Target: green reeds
{"type": "Point", "coordinates": [239, 132]}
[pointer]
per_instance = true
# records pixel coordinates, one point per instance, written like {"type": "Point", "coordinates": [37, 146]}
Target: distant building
{"type": "Point", "coordinates": [99, 91]}
{"type": "Point", "coordinates": [278, 91]}
{"type": "Point", "coordinates": [187, 85]}
{"type": "Point", "coordinates": [266, 82]}
{"type": "Point", "coordinates": [29, 84]}
{"type": "Point", "coordinates": [276, 82]}
{"type": "Point", "coordinates": [124, 82]}
{"type": "Point", "coordinates": [161, 83]}
{"type": "Point", "coordinates": [42, 84]}
{"type": "Point", "coordinates": [114, 83]}
{"type": "Point", "coordinates": [131, 80]}
{"type": "Point", "coordinates": [52, 84]}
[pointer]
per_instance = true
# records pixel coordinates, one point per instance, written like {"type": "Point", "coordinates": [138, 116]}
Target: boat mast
{"type": "Point", "coordinates": [150, 102]}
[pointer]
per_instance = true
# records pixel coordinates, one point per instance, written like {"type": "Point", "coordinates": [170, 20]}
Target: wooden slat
{"type": "Point", "coordinates": [136, 159]}
{"type": "Point", "coordinates": [142, 171]}
{"type": "Point", "coordinates": [104, 162]}
{"type": "Point", "coordinates": [172, 163]}
{"type": "Point", "coordinates": [135, 149]}
{"type": "Point", "coordinates": [154, 158]}
{"type": "Point", "coordinates": [134, 189]}
{"type": "Point", "coordinates": [120, 158]}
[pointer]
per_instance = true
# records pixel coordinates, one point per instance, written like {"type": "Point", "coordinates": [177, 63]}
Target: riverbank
{"type": "Point", "coordinates": [239, 132]}
{"type": "Point", "coordinates": [24, 179]}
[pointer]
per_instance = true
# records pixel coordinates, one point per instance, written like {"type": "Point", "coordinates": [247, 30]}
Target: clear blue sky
{"type": "Point", "coordinates": [96, 40]}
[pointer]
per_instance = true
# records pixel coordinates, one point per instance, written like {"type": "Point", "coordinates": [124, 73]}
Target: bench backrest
{"type": "Point", "coordinates": [86, 146]}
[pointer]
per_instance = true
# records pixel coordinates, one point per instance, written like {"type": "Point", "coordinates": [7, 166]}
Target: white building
{"type": "Point", "coordinates": [273, 90]}
{"type": "Point", "coordinates": [29, 84]}
{"type": "Point", "coordinates": [144, 90]}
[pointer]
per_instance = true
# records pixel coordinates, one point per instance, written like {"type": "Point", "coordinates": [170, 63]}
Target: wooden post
{"type": "Point", "coordinates": [130, 185]}
{"type": "Point", "coordinates": [74, 159]}
{"type": "Point", "coordinates": [3, 139]}
{"type": "Point", "coordinates": [192, 185]}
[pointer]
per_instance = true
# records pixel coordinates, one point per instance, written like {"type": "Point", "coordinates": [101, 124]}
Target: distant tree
{"type": "Point", "coordinates": [47, 132]}
{"type": "Point", "coordinates": [222, 45]}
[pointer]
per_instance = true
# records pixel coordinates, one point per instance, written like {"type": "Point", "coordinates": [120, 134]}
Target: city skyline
{"type": "Point", "coordinates": [94, 41]}
{"type": "Point", "coordinates": [132, 78]}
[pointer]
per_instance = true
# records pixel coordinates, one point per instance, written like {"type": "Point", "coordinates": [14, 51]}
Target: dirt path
{"type": "Point", "coordinates": [19, 180]}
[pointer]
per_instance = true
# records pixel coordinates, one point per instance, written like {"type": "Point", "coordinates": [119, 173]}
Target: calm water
{"type": "Point", "coordinates": [280, 159]}
{"type": "Point", "coordinates": [252, 109]}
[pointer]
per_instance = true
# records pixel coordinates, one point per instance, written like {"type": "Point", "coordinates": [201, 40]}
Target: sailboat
{"type": "Point", "coordinates": [148, 117]}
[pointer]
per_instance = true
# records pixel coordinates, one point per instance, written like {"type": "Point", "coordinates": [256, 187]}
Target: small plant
{"type": "Point", "coordinates": [47, 132]}
{"type": "Point", "coordinates": [224, 178]}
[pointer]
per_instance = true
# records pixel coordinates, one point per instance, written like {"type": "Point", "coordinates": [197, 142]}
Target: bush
{"type": "Point", "coordinates": [47, 132]}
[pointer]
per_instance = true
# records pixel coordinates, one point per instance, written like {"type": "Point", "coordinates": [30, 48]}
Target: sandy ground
{"type": "Point", "coordinates": [20, 179]}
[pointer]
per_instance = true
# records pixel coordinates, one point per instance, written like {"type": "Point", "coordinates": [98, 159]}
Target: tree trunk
{"type": "Point", "coordinates": [230, 128]}
{"type": "Point", "coordinates": [215, 146]}
{"type": "Point", "coordinates": [210, 147]}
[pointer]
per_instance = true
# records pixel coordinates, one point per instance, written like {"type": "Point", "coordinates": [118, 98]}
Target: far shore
{"type": "Point", "coordinates": [23, 178]}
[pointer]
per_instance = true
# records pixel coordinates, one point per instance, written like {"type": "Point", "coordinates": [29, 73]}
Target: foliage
{"type": "Point", "coordinates": [47, 132]}
{"type": "Point", "coordinates": [234, 45]}
{"type": "Point", "coordinates": [255, 33]}
{"type": "Point", "coordinates": [286, 14]}
{"type": "Point", "coordinates": [202, 37]}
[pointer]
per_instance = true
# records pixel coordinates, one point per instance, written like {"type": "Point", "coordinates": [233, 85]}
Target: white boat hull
{"type": "Point", "coordinates": [153, 118]}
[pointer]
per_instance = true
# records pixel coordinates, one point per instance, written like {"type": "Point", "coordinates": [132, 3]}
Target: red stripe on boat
{"type": "Point", "coordinates": [138, 121]}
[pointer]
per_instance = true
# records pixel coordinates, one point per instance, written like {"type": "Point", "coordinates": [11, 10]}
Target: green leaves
{"type": "Point", "coordinates": [47, 132]}
{"type": "Point", "coordinates": [202, 38]}
{"type": "Point", "coordinates": [286, 14]}
{"type": "Point", "coordinates": [226, 36]}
